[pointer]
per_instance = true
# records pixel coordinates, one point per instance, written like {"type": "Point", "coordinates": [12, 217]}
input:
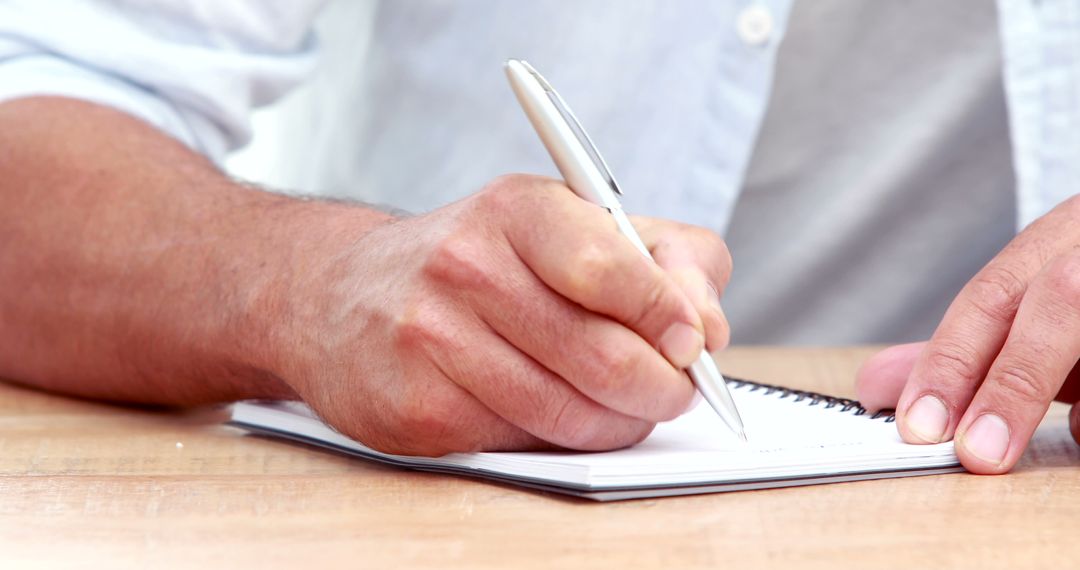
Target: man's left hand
{"type": "Point", "coordinates": [1007, 346]}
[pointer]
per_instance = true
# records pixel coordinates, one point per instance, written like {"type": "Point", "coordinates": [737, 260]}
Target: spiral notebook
{"type": "Point", "coordinates": [795, 438]}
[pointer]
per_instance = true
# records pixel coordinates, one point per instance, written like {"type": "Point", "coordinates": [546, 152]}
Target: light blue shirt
{"type": "Point", "coordinates": [1042, 81]}
{"type": "Point", "coordinates": [197, 68]}
{"type": "Point", "coordinates": [674, 93]}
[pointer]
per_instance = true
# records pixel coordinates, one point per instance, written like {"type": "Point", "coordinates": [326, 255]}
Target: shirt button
{"type": "Point", "coordinates": [754, 25]}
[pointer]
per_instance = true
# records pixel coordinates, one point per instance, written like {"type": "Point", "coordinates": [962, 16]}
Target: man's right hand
{"type": "Point", "coordinates": [518, 318]}
{"type": "Point", "coordinates": [131, 269]}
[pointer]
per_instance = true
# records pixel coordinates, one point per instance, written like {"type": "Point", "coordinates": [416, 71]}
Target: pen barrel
{"type": "Point", "coordinates": [708, 380]}
{"type": "Point", "coordinates": [562, 143]}
{"type": "Point", "coordinates": [627, 229]}
{"type": "Point", "coordinates": [704, 372]}
{"type": "Point", "coordinates": [582, 172]}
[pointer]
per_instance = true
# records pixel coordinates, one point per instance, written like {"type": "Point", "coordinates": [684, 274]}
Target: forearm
{"type": "Point", "coordinates": [132, 269]}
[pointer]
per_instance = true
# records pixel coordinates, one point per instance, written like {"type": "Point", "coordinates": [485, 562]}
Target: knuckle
{"type": "Point", "coordinates": [1021, 384]}
{"type": "Point", "coordinates": [715, 252]}
{"type": "Point", "coordinates": [702, 234]}
{"type": "Point", "coordinates": [588, 268]}
{"type": "Point", "coordinates": [613, 366]}
{"type": "Point", "coordinates": [418, 330]}
{"type": "Point", "coordinates": [954, 361]}
{"type": "Point", "coordinates": [658, 302]}
{"type": "Point", "coordinates": [458, 262]}
{"type": "Point", "coordinates": [710, 240]}
{"type": "Point", "coordinates": [996, 292]}
{"type": "Point", "coordinates": [504, 183]}
{"type": "Point", "coordinates": [506, 193]}
{"type": "Point", "coordinates": [1063, 278]}
{"type": "Point", "coordinates": [409, 333]}
{"type": "Point", "coordinates": [498, 195]}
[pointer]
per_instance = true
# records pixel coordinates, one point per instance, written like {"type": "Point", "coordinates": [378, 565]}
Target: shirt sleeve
{"type": "Point", "coordinates": [1041, 48]}
{"type": "Point", "coordinates": [193, 68]}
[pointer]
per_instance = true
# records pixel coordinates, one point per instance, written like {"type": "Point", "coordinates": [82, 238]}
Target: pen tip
{"type": "Point", "coordinates": [742, 436]}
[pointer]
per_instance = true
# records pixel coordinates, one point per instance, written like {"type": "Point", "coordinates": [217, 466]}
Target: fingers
{"type": "Point", "coordinates": [972, 332]}
{"type": "Point", "coordinates": [602, 359]}
{"type": "Point", "coordinates": [531, 397]}
{"type": "Point", "coordinates": [881, 379]}
{"type": "Point", "coordinates": [699, 263]}
{"type": "Point", "coordinates": [574, 248]}
{"type": "Point", "coordinates": [1040, 351]}
{"type": "Point", "coordinates": [429, 415]}
{"type": "Point", "coordinates": [958, 356]}
{"type": "Point", "coordinates": [477, 392]}
{"type": "Point", "coordinates": [444, 418]}
{"type": "Point", "coordinates": [464, 351]}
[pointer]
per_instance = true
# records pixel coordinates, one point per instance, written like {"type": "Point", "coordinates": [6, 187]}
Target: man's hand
{"type": "Point", "coordinates": [131, 269]}
{"type": "Point", "coordinates": [1007, 346]}
{"type": "Point", "coordinates": [517, 318]}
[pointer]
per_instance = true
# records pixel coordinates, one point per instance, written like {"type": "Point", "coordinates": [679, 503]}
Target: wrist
{"type": "Point", "coordinates": [283, 256]}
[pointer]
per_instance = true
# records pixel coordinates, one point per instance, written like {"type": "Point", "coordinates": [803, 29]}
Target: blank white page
{"type": "Point", "coordinates": [791, 436]}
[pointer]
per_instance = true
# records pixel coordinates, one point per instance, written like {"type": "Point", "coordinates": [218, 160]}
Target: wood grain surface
{"type": "Point", "coordinates": [88, 485]}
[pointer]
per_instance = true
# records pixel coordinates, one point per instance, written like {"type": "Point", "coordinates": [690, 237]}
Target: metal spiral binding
{"type": "Point", "coordinates": [845, 404]}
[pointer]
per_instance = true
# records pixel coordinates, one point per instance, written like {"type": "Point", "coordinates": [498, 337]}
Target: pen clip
{"type": "Point", "coordinates": [575, 127]}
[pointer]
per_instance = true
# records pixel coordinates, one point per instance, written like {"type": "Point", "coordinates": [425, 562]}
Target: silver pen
{"type": "Point", "coordinates": [589, 177]}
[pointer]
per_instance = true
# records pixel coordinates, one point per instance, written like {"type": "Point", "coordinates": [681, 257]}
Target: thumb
{"type": "Point", "coordinates": [882, 377]}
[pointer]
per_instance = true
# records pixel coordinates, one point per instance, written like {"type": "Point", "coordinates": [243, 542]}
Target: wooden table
{"type": "Point", "coordinates": [91, 485]}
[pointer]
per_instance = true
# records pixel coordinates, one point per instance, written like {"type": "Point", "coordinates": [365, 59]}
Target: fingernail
{"type": "Point", "coordinates": [928, 418]}
{"type": "Point", "coordinates": [987, 438]}
{"type": "Point", "coordinates": [681, 344]}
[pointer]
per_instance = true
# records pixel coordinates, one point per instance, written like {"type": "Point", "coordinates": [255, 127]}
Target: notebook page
{"type": "Point", "coordinates": [788, 439]}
